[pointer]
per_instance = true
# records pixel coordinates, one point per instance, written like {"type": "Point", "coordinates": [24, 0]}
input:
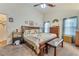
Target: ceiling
{"type": "Point", "coordinates": [59, 6]}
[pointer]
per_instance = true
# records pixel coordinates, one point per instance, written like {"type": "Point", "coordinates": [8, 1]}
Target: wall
{"type": "Point", "coordinates": [20, 13]}
{"type": "Point", "coordinates": [60, 14]}
{"type": "Point", "coordinates": [23, 12]}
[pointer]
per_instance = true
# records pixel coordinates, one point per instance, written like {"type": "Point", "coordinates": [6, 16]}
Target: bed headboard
{"type": "Point", "coordinates": [28, 27]}
{"type": "Point", "coordinates": [23, 28]}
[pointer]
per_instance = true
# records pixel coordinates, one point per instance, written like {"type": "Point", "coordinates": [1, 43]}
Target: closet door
{"type": "Point", "coordinates": [3, 30]}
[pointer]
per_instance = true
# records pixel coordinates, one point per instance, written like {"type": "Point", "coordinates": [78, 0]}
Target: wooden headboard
{"type": "Point", "coordinates": [28, 27]}
{"type": "Point", "coordinates": [23, 28]}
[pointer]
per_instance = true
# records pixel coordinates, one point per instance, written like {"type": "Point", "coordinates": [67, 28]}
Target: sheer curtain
{"type": "Point", "coordinates": [47, 27]}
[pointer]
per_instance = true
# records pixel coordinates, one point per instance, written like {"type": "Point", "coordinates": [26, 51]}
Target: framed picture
{"type": "Point", "coordinates": [31, 23]}
{"type": "Point", "coordinates": [26, 22]}
{"type": "Point", "coordinates": [10, 19]}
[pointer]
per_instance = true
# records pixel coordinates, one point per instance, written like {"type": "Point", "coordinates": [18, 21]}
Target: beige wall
{"type": "Point", "coordinates": [60, 14]}
{"type": "Point", "coordinates": [23, 12]}
{"type": "Point", "coordinates": [20, 13]}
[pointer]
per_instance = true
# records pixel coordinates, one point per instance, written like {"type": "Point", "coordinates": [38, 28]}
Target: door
{"type": "Point", "coordinates": [3, 25]}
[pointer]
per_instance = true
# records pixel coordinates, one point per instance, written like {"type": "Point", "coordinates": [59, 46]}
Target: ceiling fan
{"type": "Point", "coordinates": [43, 5]}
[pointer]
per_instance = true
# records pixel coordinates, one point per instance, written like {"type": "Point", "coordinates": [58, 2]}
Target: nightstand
{"type": "Point", "coordinates": [18, 38]}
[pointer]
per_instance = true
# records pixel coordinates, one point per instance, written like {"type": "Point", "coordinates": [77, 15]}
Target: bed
{"type": "Point", "coordinates": [36, 39]}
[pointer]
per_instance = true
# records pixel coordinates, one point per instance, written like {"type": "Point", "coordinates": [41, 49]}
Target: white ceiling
{"type": "Point", "coordinates": [59, 6]}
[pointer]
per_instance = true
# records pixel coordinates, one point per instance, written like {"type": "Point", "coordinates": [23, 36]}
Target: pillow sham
{"type": "Point", "coordinates": [27, 32]}
{"type": "Point", "coordinates": [37, 31]}
{"type": "Point", "coordinates": [32, 31]}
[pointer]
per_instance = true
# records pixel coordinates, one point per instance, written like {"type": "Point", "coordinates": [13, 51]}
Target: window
{"type": "Point", "coordinates": [70, 26]}
{"type": "Point", "coordinates": [47, 27]}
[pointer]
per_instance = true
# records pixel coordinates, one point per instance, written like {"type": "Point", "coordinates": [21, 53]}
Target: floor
{"type": "Point", "coordinates": [23, 50]}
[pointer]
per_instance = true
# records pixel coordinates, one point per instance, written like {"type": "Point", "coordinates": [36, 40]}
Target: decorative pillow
{"type": "Point", "coordinates": [32, 31]}
{"type": "Point", "coordinates": [27, 32]}
{"type": "Point", "coordinates": [36, 35]}
{"type": "Point", "coordinates": [37, 31]}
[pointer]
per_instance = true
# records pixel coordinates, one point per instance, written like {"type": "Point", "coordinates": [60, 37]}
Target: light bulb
{"type": "Point", "coordinates": [43, 5]}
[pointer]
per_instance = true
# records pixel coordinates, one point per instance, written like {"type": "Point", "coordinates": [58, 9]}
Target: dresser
{"type": "Point", "coordinates": [55, 30]}
{"type": "Point", "coordinates": [77, 38]}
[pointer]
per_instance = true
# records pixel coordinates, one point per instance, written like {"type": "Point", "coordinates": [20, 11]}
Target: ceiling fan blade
{"type": "Point", "coordinates": [51, 5]}
{"type": "Point", "coordinates": [37, 4]}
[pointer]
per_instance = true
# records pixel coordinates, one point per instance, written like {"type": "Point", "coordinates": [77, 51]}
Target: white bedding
{"type": "Point", "coordinates": [46, 37]}
{"type": "Point", "coordinates": [36, 39]}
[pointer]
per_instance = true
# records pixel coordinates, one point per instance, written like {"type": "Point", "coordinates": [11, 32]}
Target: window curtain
{"type": "Point", "coordinates": [47, 27]}
{"type": "Point", "coordinates": [70, 26]}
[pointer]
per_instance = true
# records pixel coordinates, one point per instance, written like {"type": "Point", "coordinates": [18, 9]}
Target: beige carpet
{"type": "Point", "coordinates": [23, 50]}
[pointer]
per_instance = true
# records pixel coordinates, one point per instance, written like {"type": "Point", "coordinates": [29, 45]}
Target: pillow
{"type": "Point", "coordinates": [36, 35]}
{"type": "Point", "coordinates": [27, 32]}
{"type": "Point", "coordinates": [37, 31]}
{"type": "Point", "coordinates": [32, 31]}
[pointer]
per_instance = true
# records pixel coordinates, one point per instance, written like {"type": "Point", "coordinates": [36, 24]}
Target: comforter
{"type": "Point", "coordinates": [36, 39]}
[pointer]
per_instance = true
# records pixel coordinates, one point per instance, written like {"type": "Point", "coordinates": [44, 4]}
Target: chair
{"type": "Point", "coordinates": [55, 43]}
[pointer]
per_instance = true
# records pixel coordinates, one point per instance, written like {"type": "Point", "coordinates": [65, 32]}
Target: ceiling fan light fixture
{"type": "Point", "coordinates": [43, 5]}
